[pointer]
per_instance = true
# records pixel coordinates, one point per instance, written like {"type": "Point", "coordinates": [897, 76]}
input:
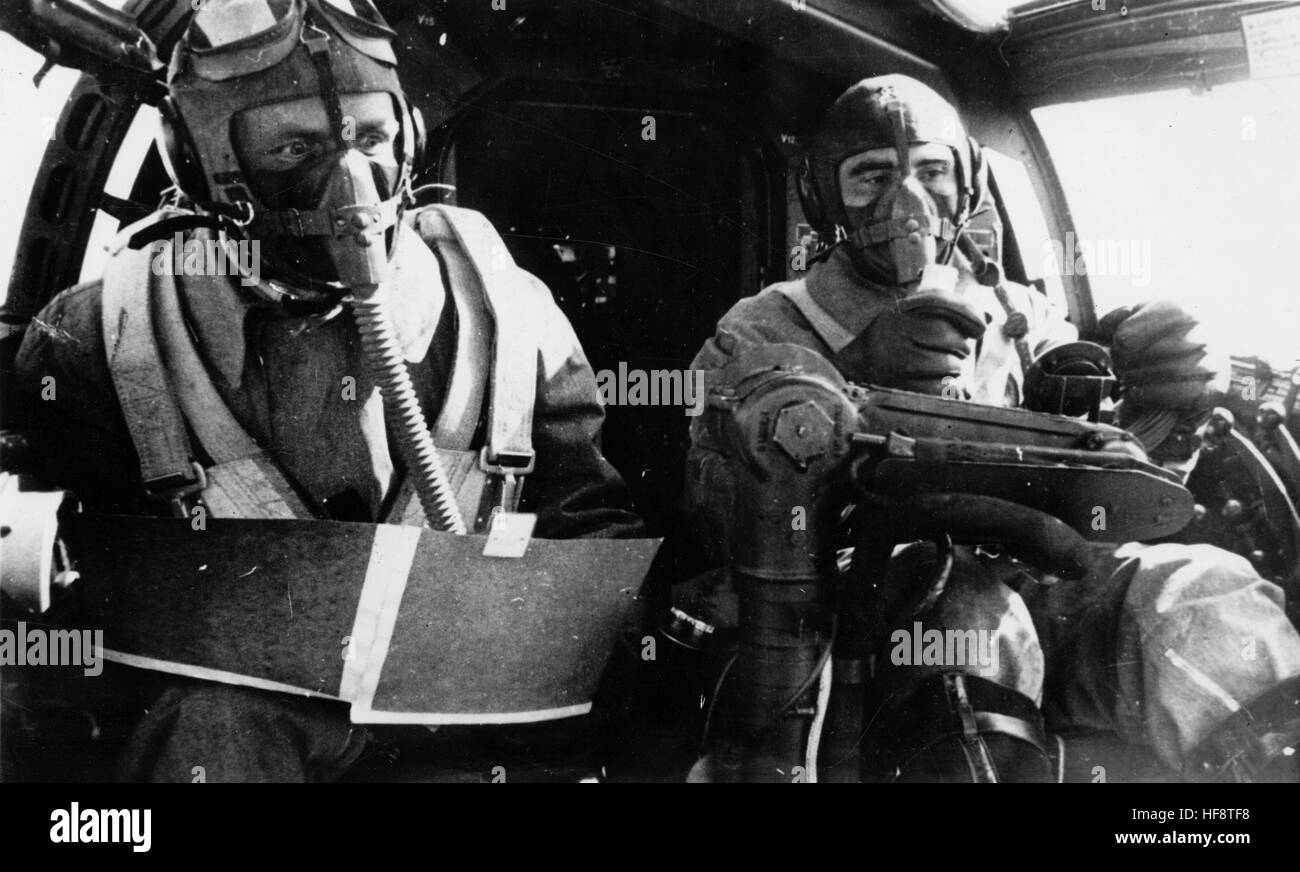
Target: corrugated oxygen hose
{"type": "Point", "coordinates": [383, 354]}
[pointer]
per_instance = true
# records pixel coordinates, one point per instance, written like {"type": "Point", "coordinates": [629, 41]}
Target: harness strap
{"type": "Point", "coordinates": [458, 420]}
{"type": "Point", "coordinates": [468, 483]}
{"type": "Point", "coordinates": [978, 758]}
{"type": "Point", "coordinates": [823, 323]}
{"type": "Point", "coordinates": [162, 383]}
{"type": "Point", "coordinates": [509, 449]}
{"type": "Point", "coordinates": [989, 273]}
{"type": "Point", "coordinates": [214, 426]}
{"type": "Point", "coordinates": [144, 392]}
{"type": "Point", "coordinates": [462, 405]}
{"type": "Point", "coordinates": [244, 481]}
{"type": "Point", "coordinates": [1008, 725]}
{"type": "Point", "coordinates": [1016, 328]}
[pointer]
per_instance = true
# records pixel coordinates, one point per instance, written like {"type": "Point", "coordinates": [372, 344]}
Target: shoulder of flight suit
{"type": "Point", "coordinates": [81, 434]}
{"type": "Point", "coordinates": [763, 318]}
{"type": "Point", "coordinates": [65, 340]}
{"type": "Point", "coordinates": [766, 317]}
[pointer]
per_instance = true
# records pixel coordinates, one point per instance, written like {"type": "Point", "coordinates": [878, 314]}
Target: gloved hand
{"type": "Point", "coordinates": [1162, 357]}
{"type": "Point", "coordinates": [919, 351]}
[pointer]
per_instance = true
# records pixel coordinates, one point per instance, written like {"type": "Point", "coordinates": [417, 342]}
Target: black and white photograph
{"type": "Point", "coordinates": [650, 391]}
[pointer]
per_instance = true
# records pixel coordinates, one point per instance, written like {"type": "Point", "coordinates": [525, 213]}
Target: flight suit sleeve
{"type": "Point", "coordinates": [709, 493]}
{"type": "Point", "coordinates": [709, 488]}
{"type": "Point", "coordinates": [999, 377]}
{"type": "Point", "coordinates": [1048, 326]}
{"type": "Point", "coordinates": [574, 490]}
{"type": "Point", "coordinates": [70, 412]}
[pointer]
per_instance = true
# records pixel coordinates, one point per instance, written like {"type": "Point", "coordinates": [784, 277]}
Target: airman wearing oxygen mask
{"type": "Point", "coordinates": [377, 345]}
{"type": "Point", "coordinates": [903, 298]}
{"type": "Point", "coordinates": [902, 184]}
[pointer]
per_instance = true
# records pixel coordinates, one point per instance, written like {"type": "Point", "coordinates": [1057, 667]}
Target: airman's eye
{"type": "Point", "coordinates": [935, 173]}
{"type": "Point", "coordinates": [298, 148]}
{"type": "Point", "coordinates": [875, 177]}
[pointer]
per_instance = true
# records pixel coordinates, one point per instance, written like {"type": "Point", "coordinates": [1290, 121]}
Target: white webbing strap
{"type": "Point", "coordinates": [243, 482]}
{"type": "Point", "coordinates": [509, 297]}
{"type": "Point", "coordinates": [214, 427]}
{"type": "Point", "coordinates": [144, 392]}
{"type": "Point", "coordinates": [468, 483]}
{"type": "Point", "coordinates": [463, 402]}
{"type": "Point", "coordinates": [161, 384]}
{"type": "Point", "coordinates": [823, 323]}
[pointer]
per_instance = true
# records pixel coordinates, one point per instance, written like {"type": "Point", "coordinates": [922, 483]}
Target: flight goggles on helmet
{"type": "Point", "coordinates": [241, 37]}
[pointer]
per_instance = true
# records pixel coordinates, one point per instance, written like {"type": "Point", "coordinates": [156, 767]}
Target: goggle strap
{"type": "Point", "coordinates": [898, 121]}
{"type": "Point", "coordinates": [317, 43]}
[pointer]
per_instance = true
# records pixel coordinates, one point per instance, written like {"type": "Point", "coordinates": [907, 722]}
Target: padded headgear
{"type": "Point", "coordinates": [210, 82]}
{"type": "Point", "coordinates": [859, 120]}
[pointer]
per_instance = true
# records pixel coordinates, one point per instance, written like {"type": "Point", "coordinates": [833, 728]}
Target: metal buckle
{"type": "Point", "coordinates": [343, 220]}
{"type": "Point", "coordinates": [246, 213]}
{"type": "Point", "coordinates": [178, 494]}
{"type": "Point", "coordinates": [315, 44]}
{"type": "Point", "coordinates": [507, 463]}
{"type": "Point", "coordinates": [509, 467]}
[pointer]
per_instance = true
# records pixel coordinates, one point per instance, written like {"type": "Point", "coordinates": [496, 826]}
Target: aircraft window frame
{"type": "Point", "coordinates": [1027, 218]}
{"type": "Point", "coordinates": [128, 164]}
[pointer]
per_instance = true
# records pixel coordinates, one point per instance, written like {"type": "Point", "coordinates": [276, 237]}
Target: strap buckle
{"type": "Point", "coordinates": [510, 466]}
{"type": "Point", "coordinates": [246, 214]}
{"type": "Point", "coordinates": [316, 43]}
{"type": "Point", "coordinates": [507, 462]}
{"type": "Point", "coordinates": [176, 494]}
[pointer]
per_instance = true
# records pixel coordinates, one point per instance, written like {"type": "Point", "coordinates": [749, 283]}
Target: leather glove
{"type": "Point", "coordinates": [920, 350]}
{"type": "Point", "coordinates": [1162, 357]}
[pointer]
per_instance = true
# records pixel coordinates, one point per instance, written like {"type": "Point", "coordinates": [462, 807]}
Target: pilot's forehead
{"type": "Point", "coordinates": [887, 157]}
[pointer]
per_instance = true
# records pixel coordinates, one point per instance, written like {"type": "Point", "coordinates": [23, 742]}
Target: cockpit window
{"type": "Point", "coordinates": [1187, 195]}
{"type": "Point", "coordinates": [39, 108]}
